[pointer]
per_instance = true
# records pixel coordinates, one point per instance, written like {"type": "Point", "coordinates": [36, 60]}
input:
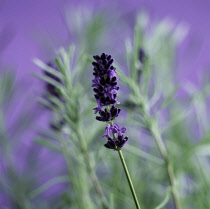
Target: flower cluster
{"type": "Point", "coordinates": [119, 140]}
{"type": "Point", "coordinates": [106, 89]}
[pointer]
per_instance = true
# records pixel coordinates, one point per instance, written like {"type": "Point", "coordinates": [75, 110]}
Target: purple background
{"type": "Point", "coordinates": [27, 27]}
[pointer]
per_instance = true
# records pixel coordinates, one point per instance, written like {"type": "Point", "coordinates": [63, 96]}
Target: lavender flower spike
{"type": "Point", "coordinates": [105, 81]}
{"type": "Point", "coordinates": [106, 89]}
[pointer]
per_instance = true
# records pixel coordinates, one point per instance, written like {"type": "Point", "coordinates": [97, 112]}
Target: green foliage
{"type": "Point", "coordinates": [168, 164]}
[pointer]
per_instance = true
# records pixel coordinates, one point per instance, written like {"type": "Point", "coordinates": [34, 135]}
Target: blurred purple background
{"type": "Point", "coordinates": [28, 27]}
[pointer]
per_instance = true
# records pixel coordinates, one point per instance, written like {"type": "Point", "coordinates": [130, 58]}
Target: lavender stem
{"type": "Point", "coordinates": [129, 179]}
{"type": "Point", "coordinates": [122, 159]}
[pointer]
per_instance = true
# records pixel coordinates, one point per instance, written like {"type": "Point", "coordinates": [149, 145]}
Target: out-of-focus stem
{"type": "Point", "coordinates": [169, 168]}
{"type": "Point", "coordinates": [159, 141]}
{"type": "Point", "coordinates": [91, 172]}
{"type": "Point", "coordinates": [69, 163]}
{"type": "Point", "coordinates": [152, 127]}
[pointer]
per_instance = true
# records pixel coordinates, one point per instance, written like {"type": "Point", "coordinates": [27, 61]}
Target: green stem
{"type": "Point", "coordinates": [129, 179]}
{"type": "Point", "coordinates": [126, 172]}
{"type": "Point", "coordinates": [91, 172]}
{"type": "Point", "coordinates": [159, 141]}
{"type": "Point", "coordinates": [64, 149]}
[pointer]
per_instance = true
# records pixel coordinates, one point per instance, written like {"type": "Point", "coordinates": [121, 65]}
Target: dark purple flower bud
{"type": "Point", "coordinates": [57, 126]}
{"type": "Point", "coordinates": [110, 144]}
{"type": "Point", "coordinates": [50, 88]}
{"type": "Point", "coordinates": [142, 55]}
{"type": "Point", "coordinates": [117, 143]}
{"type": "Point", "coordinates": [142, 58]}
{"type": "Point", "coordinates": [106, 115]}
{"type": "Point", "coordinates": [121, 140]}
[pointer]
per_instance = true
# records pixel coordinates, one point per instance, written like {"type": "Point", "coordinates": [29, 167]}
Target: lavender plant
{"type": "Point", "coordinates": [64, 99]}
{"type": "Point", "coordinates": [105, 88]}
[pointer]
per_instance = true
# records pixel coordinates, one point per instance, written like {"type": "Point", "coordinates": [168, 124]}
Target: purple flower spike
{"type": "Point", "coordinates": [105, 88]}
{"type": "Point", "coordinates": [105, 81]}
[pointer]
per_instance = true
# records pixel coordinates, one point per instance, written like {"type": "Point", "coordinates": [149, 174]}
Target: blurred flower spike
{"type": "Point", "coordinates": [52, 91]}
{"type": "Point", "coordinates": [50, 88]}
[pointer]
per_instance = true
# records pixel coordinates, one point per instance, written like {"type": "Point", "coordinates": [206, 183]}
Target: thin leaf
{"type": "Point", "coordinates": [47, 185]}
{"type": "Point", "coordinates": [165, 200]}
{"type": "Point", "coordinates": [143, 154]}
{"type": "Point", "coordinates": [48, 69]}
{"type": "Point", "coordinates": [169, 98]}
{"type": "Point", "coordinates": [47, 143]}
{"type": "Point", "coordinates": [47, 79]}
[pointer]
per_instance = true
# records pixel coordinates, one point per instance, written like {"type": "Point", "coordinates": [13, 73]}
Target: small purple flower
{"type": "Point", "coordinates": [117, 129]}
{"type": "Point", "coordinates": [115, 137]}
{"type": "Point", "coordinates": [108, 131]}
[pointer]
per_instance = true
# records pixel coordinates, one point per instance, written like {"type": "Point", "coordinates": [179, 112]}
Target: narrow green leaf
{"type": "Point", "coordinates": [48, 184]}
{"type": "Point", "coordinates": [46, 103]}
{"type": "Point", "coordinates": [128, 49]}
{"type": "Point", "coordinates": [169, 98]}
{"type": "Point", "coordinates": [143, 154]}
{"type": "Point", "coordinates": [48, 80]}
{"type": "Point", "coordinates": [48, 69]}
{"type": "Point", "coordinates": [137, 41]}
{"type": "Point", "coordinates": [165, 200]}
{"type": "Point", "coordinates": [47, 143]}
